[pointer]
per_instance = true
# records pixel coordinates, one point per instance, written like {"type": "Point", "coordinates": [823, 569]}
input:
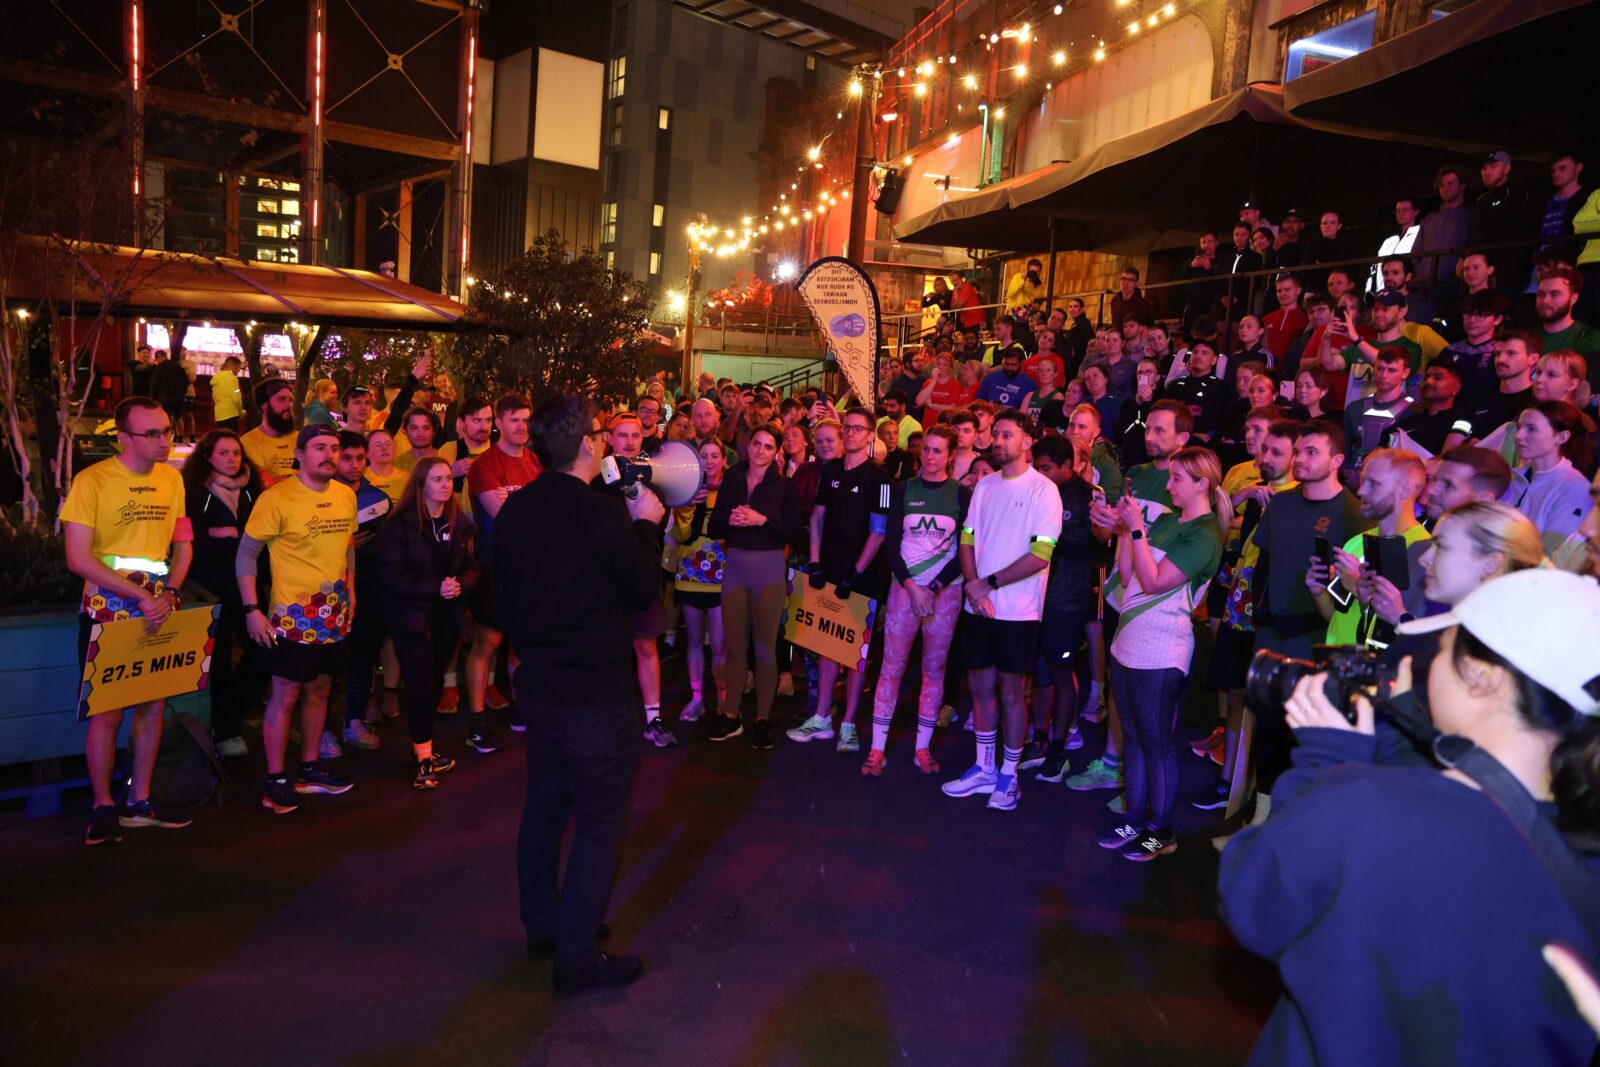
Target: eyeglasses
{"type": "Point", "coordinates": [164, 434]}
{"type": "Point", "coordinates": [858, 429]}
{"type": "Point", "coordinates": [597, 432]}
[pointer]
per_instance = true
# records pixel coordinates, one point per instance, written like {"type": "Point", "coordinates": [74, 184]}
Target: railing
{"type": "Point", "coordinates": [772, 323]}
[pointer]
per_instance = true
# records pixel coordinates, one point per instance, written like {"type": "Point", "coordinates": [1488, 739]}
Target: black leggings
{"type": "Point", "coordinates": [1147, 700]}
{"type": "Point", "coordinates": [423, 660]}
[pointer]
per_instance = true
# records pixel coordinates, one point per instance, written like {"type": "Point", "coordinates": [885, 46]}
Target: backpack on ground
{"type": "Point", "coordinates": [188, 770]}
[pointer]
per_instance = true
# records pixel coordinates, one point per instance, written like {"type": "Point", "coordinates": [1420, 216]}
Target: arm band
{"type": "Point", "coordinates": [1042, 547]}
{"type": "Point", "coordinates": [966, 536]}
{"type": "Point", "coordinates": [249, 550]}
{"type": "Point", "coordinates": [878, 523]}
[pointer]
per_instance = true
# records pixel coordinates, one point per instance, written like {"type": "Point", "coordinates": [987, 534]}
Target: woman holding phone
{"type": "Point", "coordinates": [427, 566]}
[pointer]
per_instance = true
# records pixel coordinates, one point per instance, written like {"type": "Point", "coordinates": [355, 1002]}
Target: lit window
{"type": "Point", "coordinates": [608, 224]}
{"type": "Point", "coordinates": [611, 261]}
{"type": "Point", "coordinates": [655, 262]}
{"type": "Point", "coordinates": [658, 215]}
{"type": "Point", "coordinates": [618, 78]}
{"type": "Point", "coordinates": [664, 119]}
{"type": "Point", "coordinates": [616, 125]}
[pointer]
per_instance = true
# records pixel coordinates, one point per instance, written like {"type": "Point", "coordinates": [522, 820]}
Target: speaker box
{"type": "Point", "coordinates": [889, 192]}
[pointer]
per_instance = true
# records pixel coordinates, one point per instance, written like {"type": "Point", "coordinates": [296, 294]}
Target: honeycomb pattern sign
{"type": "Point", "coordinates": [318, 618]}
{"type": "Point", "coordinates": [126, 665]}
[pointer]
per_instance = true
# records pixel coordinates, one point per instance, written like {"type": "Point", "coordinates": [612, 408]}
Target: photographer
{"type": "Point", "coordinates": [1406, 907]}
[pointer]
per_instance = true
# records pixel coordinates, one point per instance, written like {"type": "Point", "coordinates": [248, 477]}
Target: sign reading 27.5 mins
{"type": "Point", "coordinates": [127, 665]}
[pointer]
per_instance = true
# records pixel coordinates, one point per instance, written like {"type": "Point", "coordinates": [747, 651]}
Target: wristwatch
{"type": "Point", "coordinates": [249, 608]}
{"type": "Point", "coordinates": [994, 581]}
{"type": "Point", "coordinates": [1137, 535]}
{"type": "Point", "coordinates": [935, 585]}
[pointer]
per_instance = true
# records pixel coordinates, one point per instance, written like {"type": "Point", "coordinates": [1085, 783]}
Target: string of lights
{"type": "Point", "coordinates": [969, 67]}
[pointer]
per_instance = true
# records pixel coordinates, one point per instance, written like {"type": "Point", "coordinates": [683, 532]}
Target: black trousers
{"type": "Point", "coordinates": [580, 762]}
{"type": "Point", "coordinates": [424, 657]}
{"type": "Point", "coordinates": [368, 630]}
{"type": "Point", "coordinates": [234, 689]}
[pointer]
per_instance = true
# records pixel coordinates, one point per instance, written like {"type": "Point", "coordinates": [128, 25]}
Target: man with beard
{"type": "Point", "coordinates": [1371, 418]}
{"type": "Point", "coordinates": [706, 420]}
{"type": "Point", "coordinates": [1559, 291]}
{"type": "Point", "coordinates": [1200, 390]}
{"type": "Point", "coordinates": [270, 446]}
{"type": "Point", "coordinates": [1465, 475]}
{"type": "Point", "coordinates": [1516, 353]}
{"type": "Point", "coordinates": [1286, 617]}
{"type": "Point", "coordinates": [1429, 421]}
{"type": "Point", "coordinates": [1391, 481]}
{"type": "Point", "coordinates": [308, 522]}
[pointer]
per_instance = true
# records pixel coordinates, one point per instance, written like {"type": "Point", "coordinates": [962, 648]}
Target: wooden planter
{"type": "Point", "coordinates": [40, 674]}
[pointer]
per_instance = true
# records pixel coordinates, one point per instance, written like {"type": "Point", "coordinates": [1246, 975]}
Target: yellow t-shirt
{"type": "Point", "coordinates": [451, 451]}
{"type": "Point", "coordinates": [135, 517]}
{"type": "Point", "coordinates": [395, 484]}
{"type": "Point", "coordinates": [225, 399]}
{"type": "Point", "coordinates": [309, 535]}
{"type": "Point", "coordinates": [273, 456]}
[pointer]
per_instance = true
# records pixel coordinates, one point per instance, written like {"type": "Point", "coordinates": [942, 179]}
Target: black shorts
{"type": "Point", "coordinates": [999, 644]}
{"type": "Point", "coordinates": [700, 599]}
{"type": "Point", "coordinates": [1061, 634]}
{"type": "Point", "coordinates": [1230, 658]}
{"type": "Point", "coordinates": [481, 600]}
{"type": "Point", "coordinates": [651, 622]}
{"type": "Point", "coordinates": [301, 662]}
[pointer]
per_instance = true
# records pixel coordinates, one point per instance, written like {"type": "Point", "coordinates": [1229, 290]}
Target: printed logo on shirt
{"type": "Point", "coordinates": [134, 511]}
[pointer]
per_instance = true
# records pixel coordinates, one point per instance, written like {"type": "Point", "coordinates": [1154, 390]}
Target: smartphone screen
{"type": "Point", "coordinates": [1323, 554]}
{"type": "Point", "coordinates": [1387, 555]}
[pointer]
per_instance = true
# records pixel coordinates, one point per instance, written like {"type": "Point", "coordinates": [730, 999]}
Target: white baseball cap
{"type": "Point", "coordinates": [1544, 622]}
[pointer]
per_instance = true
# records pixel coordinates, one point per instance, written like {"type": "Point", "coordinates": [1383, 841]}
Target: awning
{"type": "Point", "coordinates": [1517, 71]}
{"type": "Point", "coordinates": [1193, 172]}
{"type": "Point", "coordinates": [186, 285]}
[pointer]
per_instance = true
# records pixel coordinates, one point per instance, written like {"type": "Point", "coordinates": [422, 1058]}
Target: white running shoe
{"type": "Point", "coordinates": [816, 728]}
{"type": "Point", "coordinates": [976, 780]}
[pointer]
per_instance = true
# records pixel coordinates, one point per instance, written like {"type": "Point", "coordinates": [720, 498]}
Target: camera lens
{"type": "Point", "coordinates": [1271, 680]}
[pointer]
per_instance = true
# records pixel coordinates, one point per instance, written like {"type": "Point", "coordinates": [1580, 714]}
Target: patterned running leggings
{"type": "Point", "coordinates": [900, 626]}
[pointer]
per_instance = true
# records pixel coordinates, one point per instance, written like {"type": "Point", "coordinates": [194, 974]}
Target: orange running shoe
{"type": "Point", "coordinates": [449, 700]}
{"type": "Point", "coordinates": [926, 763]}
{"type": "Point", "coordinates": [494, 700]}
{"type": "Point", "coordinates": [874, 765]}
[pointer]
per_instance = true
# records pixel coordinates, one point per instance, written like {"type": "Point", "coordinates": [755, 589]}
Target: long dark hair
{"type": "Point", "coordinates": [1575, 763]}
{"type": "Point", "coordinates": [1564, 417]}
{"type": "Point", "coordinates": [412, 507]}
{"type": "Point", "coordinates": [197, 469]}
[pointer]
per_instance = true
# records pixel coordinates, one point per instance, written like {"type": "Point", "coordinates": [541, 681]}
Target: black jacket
{"type": "Point", "coordinates": [409, 575]}
{"type": "Point", "coordinates": [567, 572]}
{"type": "Point", "coordinates": [214, 557]}
{"type": "Point", "coordinates": [776, 498]}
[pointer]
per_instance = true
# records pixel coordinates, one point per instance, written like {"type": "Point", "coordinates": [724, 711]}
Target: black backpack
{"type": "Point", "coordinates": [188, 770]}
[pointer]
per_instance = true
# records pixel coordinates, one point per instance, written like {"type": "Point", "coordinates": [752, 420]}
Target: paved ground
{"type": "Point", "coordinates": [790, 912]}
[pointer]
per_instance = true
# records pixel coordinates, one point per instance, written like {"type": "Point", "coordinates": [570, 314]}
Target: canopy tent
{"type": "Point", "coordinates": [1194, 171]}
{"type": "Point", "coordinates": [187, 285]}
{"type": "Point", "coordinates": [1513, 70]}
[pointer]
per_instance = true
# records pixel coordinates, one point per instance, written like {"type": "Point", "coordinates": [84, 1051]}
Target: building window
{"type": "Point", "coordinates": [655, 264]}
{"type": "Point", "coordinates": [608, 224]}
{"type": "Point", "coordinates": [615, 137]}
{"type": "Point", "coordinates": [617, 78]}
{"type": "Point", "coordinates": [1331, 45]}
{"type": "Point", "coordinates": [658, 215]}
{"type": "Point", "coordinates": [611, 261]}
{"type": "Point", "coordinates": [664, 119]}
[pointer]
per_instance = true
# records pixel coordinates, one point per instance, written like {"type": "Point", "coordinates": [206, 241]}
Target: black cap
{"type": "Point", "coordinates": [355, 390]}
{"type": "Point", "coordinates": [1291, 213]}
{"type": "Point", "coordinates": [1499, 155]}
{"type": "Point", "coordinates": [313, 430]}
{"type": "Point", "coordinates": [1389, 298]}
{"type": "Point", "coordinates": [269, 389]}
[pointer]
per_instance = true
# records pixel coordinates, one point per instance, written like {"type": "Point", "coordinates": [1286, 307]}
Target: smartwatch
{"type": "Point", "coordinates": [250, 608]}
{"type": "Point", "coordinates": [1137, 535]}
{"type": "Point", "coordinates": [994, 581]}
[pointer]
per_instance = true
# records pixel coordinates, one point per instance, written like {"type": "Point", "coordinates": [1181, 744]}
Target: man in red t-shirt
{"type": "Point", "coordinates": [504, 468]}
{"type": "Point", "coordinates": [1288, 321]}
{"type": "Point", "coordinates": [965, 301]}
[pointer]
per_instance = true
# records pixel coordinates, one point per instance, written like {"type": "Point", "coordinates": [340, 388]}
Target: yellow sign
{"type": "Point", "coordinates": [126, 665]}
{"type": "Point", "coordinates": [820, 622]}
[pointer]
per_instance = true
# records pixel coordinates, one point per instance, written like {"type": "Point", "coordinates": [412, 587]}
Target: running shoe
{"type": "Point", "coordinates": [441, 764]}
{"type": "Point", "coordinates": [692, 711]}
{"type": "Point", "coordinates": [1007, 791]}
{"type": "Point", "coordinates": [357, 733]}
{"type": "Point", "coordinates": [1074, 740]}
{"type": "Point", "coordinates": [786, 684]}
{"type": "Point", "coordinates": [1095, 709]}
{"type": "Point", "coordinates": [1033, 754]}
{"type": "Point", "coordinates": [848, 741]}
{"type": "Point", "coordinates": [1202, 746]}
{"type": "Point", "coordinates": [873, 767]}
{"type": "Point", "coordinates": [493, 699]}
{"type": "Point", "coordinates": [233, 746]}
{"type": "Point", "coordinates": [389, 702]}
{"type": "Point", "coordinates": [1149, 846]}
{"type": "Point", "coordinates": [761, 734]}
{"type": "Point", "coordinates": [1121, 836]}
{"type": "Point", "coordinates": [313, 779]}
{"type": "Point", "coordinates": [925, 762]}
{"type": "Point", "coordinates": [1096, 776]}
{"type": "Point", "coordinates": [426, 777]}
{"type": "Point", "coordinates": [1118, 804]}
{"type": "Point", "coordinates": [449, 700]}
{"type": "Point", "coordinates": [815, 728]}
{"type": "Point", "coordinates": [1212, 797]}
{"type": "Point", "coordinates": [724, 727]}
{"type": "Point", "coordinates": [148, 813]}
{"type": "Point", "coordinates": [517, 725]}
{"type": "Point", "coordinates": [1054, 768]}
{"type": "Point", "coordinates": [480, 738]}
{"type": "Point", "coordinates": [947, 715]}
{"type": "Point", "coordinates": [975, 780]}
{"type": "Point", "coordinates": [102, 828]}
{"type": "Point", "coordinates": [659, 734]}
{"type": "Point", "coordinates": [329, 747]}
{"type": "Point", "coordinates": [279, 796]}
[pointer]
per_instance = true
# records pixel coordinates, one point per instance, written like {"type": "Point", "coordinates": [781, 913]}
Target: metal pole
{"type": "Point", "coordinates": [1050, 278]}
{"type": "Point", "coordinates": [861, 186]}
{"type": "Point", "coordinates": [691, 369]}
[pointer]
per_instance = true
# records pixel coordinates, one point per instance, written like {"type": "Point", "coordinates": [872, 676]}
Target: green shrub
{"type": "Point", "coordinates": [33, 566]}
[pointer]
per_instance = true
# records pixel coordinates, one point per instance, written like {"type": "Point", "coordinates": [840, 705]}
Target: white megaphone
{"type": "Point", "coordinates": [674, 472]}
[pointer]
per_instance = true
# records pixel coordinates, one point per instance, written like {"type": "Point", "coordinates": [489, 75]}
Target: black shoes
{"type": "Point", "coordinates": [761, 734]}
{"type": "Point", "coordinates": [609, 971]}
{"type": "Point", "coordinates": [545, 947]}
{"type": "Point", "coordinates": [724, 727]}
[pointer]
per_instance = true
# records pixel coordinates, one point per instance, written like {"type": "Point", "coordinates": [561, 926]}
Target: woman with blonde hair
{"type": "Point", "coordinates": [1476, 542]}
{"type": "Point", "coordinates": [1160, 576]}
{"type": "Point", "coordinates": [319, 401]}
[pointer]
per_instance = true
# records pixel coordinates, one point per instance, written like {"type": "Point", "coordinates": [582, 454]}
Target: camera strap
{"type": "Point", "coordinates": [1561, 865]}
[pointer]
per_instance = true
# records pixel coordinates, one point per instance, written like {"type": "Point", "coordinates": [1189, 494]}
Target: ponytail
{"type": "Point", "coordinates": [1575, 782]}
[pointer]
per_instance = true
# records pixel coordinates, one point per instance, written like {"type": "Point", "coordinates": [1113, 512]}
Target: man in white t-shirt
{"type": "Point", "coordinates": [1006, 542]}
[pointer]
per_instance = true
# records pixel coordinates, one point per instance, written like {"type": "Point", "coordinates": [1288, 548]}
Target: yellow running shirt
{"type": "Point", "coordinates": [135, 519]}
{"type": "Point", "coordinates": [394, 485]}
{"type": "Point", "coordinates": [309, 535]}
{"type": "Point", "coordinates": [273, 456]}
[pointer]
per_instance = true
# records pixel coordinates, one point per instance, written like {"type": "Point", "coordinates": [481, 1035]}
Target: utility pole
{"type": "Point", "coordinates": [691, 370]}
{"type": "Point", "coordinates": [864, 87]}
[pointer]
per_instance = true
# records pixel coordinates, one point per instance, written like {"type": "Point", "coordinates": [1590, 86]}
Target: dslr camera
{"type": "Point", "coordinates": [1350, 671]}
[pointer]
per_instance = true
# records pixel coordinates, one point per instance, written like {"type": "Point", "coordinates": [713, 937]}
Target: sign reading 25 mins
{"type": "Point", "coordinates": [822, 623]}
{"type": "Point", "coordinates": [126, 665]}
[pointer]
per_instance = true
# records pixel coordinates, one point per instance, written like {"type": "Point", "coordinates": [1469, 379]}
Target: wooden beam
{"type": "Point", "coordinates": [404, 144]}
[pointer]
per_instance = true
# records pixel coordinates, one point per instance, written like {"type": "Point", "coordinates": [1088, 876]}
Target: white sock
{"type": "Point", "coordinates": [925, 732]}
{"type": "Point", "coordinates": [1012, 757]}
{"type": "Point", "coordinates": [880, 731]}
{"type": "Point", "coordinates": [986, 740]}
{"type": "Point", "coordinates": [652, 712]}
{"type": "Point", "coordinates": [450, 679]}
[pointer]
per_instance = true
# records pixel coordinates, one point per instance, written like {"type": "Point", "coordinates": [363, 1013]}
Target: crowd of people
{"type": "Point", "coordinates": [1080, 521]}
